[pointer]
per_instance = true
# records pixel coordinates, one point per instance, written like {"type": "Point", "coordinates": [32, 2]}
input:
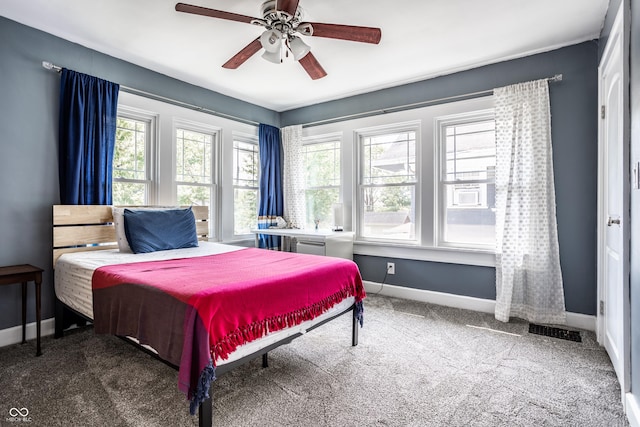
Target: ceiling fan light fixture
{"type": "Point", "coordinates": [274, 57]}
{"type": "Point", "coordinates": [271, 40]}
{"type": "Point", "coordinates": [298, 48]}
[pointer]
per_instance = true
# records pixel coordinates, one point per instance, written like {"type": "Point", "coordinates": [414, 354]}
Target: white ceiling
{"type": "Point", "coordinates": [420, 39]}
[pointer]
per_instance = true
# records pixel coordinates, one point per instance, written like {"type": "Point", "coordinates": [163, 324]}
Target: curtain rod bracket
{"type": "Point", "coordinates": [49, 66]}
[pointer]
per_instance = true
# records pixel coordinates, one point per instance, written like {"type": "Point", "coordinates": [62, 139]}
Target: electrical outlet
{"type": "Point", "coordinates": [391, 268]}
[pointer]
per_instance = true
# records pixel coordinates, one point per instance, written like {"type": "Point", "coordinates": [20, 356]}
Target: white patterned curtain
{"type": "Point", "coordinates": [294, 202]}
{"type": "Point", "coordinates": [528, 275]}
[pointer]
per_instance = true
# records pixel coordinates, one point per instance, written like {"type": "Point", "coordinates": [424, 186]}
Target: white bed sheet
{"type": "Point", "coordinates": [74, 271]}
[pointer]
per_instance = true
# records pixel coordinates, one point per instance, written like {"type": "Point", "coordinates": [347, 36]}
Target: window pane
{"type": "Point", "coordinates": [128, 193]}
{"type": "Point", "coordinates": [389, 212]}
{"type": "Point", "coordinates": [319, 205]}
{"type": "Point", "coordinates": [246, 164]}
{"type": "Point", "coordinates": [130, 147]}
{"type": "Point", "coordinates": [245, 212]}
{"type": "Point", "coordinates": [470, 215]}
{"type": "Point", "coordinates": [322, 182]}
{"type": "Point", "coordinates": [469, 207]}
{"type": "Point", "coordinates": [322, 164]}
{"type": "Point", "coordinates": [193, 156]}
{"type": "Point", "coordinates": [389, 158]}
{"type": "Point", "coordinates": [197, 195]}
{"type": "Point", "coordinates": [470, 151]}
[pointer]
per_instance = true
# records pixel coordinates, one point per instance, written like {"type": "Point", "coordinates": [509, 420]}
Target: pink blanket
{"type": "Point", "coordinates": [225, 300]}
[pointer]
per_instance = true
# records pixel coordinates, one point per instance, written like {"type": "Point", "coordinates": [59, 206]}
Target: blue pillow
{"type": "Point", "coordinates": [160, 230]}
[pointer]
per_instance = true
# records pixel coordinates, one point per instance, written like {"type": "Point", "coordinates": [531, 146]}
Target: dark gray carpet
{"type": "Point", "coordinates": [416, 365]}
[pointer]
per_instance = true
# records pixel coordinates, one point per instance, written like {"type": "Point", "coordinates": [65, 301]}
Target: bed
{"type": "Point", "coordinates": [201, 307]}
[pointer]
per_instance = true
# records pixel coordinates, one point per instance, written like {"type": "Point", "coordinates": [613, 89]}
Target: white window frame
{"type": "Point", "coordinates": [245, 139]}
{"type": "Point", "coordinates": [163, 191]}
{"type": "Point", "coordinates": [441, 193]}
{"type": "Point", "coordinates": [427, 160]}
{"type": "Point", "coordinates": [151, 122]}
{"type": "Point", "coordinates": [335, 138]}
{"type": "Point", "coordinates": [214, 131]}
{"type": "Point", "coordinates": [412, 126]}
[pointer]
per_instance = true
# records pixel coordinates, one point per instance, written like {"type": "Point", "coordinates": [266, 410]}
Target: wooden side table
{"type": "Point", "coordinates": [22, 274]}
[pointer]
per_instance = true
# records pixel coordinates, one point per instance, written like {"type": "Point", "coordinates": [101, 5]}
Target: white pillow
{"type": "Point", "coordinates": [118, 223]}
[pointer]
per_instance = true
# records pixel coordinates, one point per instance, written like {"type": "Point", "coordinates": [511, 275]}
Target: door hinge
{"type": "Point", "coordinates": [602, 109]}
{"type": "Point", "coordinates": [601, 308]}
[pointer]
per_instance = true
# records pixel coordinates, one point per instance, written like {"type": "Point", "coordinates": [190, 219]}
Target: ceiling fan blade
{"type": "Point", "coordinates": [346, 32]}
{"type": "Point", "coordinates": [312, 66]}
{"type": "Point", "coordinates": [198, 10]}
{"type": "Point", "coordinates": [289, 6]}
{"type": "Point", "coordinates": [247, 52]}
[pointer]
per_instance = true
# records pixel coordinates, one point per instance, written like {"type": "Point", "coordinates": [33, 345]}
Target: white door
{"type": "Point", "coordinates": [613, 268]}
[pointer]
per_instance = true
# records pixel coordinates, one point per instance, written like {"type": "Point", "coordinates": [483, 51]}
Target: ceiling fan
{"type": "Point", "coordinates": [282, 20]}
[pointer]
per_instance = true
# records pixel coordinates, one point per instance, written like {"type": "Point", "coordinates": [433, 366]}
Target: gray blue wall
{"type": "Point", "coordinates": [575, 145]}
{"type": "Point", "coordinates": [28, 142]}
{"type": "Point", "coordinates": [28, 154]}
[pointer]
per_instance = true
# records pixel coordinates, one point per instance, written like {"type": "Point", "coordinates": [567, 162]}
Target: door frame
{"type": "Point", "coordinates": [619, 32]}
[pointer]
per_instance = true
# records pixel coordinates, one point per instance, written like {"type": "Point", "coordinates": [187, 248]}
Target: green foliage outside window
{"type": "Point", "coordinates": [322, 182]}
{"type": "Point", "coordinates": [246, 165]}
{"type": "Point", "coordinates": [129, 162]}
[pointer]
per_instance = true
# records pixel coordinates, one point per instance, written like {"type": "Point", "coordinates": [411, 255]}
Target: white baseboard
{"type": "Point", "coordinates": [439, 298]}
{"type": "Point", "coordinates": [13, 335]}
{"type": "Point", "coordinates": [632, 410]}
{"type": "Point", "coordinates": [581, 321]}
{"type": "Point", "coordinates": [574, 320]}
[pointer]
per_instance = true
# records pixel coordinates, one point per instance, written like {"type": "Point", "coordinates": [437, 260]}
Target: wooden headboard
{"type": "Point", "coordinates": [78, 228]}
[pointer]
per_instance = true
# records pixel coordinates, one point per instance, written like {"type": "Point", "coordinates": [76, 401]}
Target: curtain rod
{"type": "Point", "coordinates": [58, 69]}
{"type": "Point", "coordinates": [556, 78]}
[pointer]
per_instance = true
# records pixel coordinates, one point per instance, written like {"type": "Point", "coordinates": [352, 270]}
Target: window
{"type": "Point", "coordinates": [419, 183]}
{"type": "Point", "coordinates": [188, 156]}
{"type": "Point", "coordinates": [321, 159]}
{"type": "Point", "coordinates": [466, 183]}
{"type": "Point", "coordinates": [131, 161]}
{"type": "Point", "coordinates": [387, 186]}
{"type": "Point", "coordinates": [246, 167]}
{"type": "Point", "coordinates": [195, 174]}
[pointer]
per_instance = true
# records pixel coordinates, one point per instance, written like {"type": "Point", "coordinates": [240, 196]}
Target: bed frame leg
{"type": "Point", "coordinates": [265, 360]}
{"type": "Point", "coordinates": [205, 413]}
{"type": "Point", "coordinates": [59, 319]}
{"type": "Point", "coordinates": [354, 328]}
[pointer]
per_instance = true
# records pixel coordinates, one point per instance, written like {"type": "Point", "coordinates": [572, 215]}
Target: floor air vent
{"type": "Point", "coordinates": [549, 331]}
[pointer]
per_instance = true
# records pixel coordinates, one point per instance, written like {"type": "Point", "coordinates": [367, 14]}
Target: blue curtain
{"type": "Point", "coordinates": [86, 138]}
{"type": "Point", "coordinates": [271, 197]}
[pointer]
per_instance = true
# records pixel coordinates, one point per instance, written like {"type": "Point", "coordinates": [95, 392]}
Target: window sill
{"type": "Point", "coordinates": [241, 241]}
{"type": "Point", "coordinates": [420, 253]}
